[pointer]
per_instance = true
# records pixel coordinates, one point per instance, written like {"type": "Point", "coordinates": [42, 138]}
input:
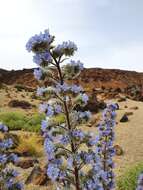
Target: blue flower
{"type": "Point", "coordinates": [40, 58]}
{"type": "Point", "coordinates": [68, 48]}
{"type": "Point", "coordinates": [62, 87]}
{"type": "Point", "coordinates": [77, 133]}
{"type": "Point", "coordinates": [70, 162]}
{"type": "Point", "coordinates": [3, 158]}
{"type": "Point", "coordinates": [85, 115]}
{"type": "Point", "coordinates": [140, 182]}
{"type": "Point", "coordinates": [50, 111]}
{"type": "Point", "coordinates": [13, 158]}
{"type": "Point", "coordinates": [84, 98]}
{"type": "Point", "coordinates": [76, 64]}
{"type": "Point", "coordinates": [105, 146]}
{"type": "Point", "coordinates": [3, 128]}
{"type": "Point", "coordinates": [53, 171]}
{"type": "Point", "coordinates": [40, 91]}
{"type": "Point", "coordinates": [44, 125]}
{"type": "Point", "coordinates": [5, 144]}
{"type": "Point", "coordinates": [43, 107]}
{"type": "Point", "coordinates": [49, 148]}
{"type": "Point", "coordinates": [39, 39]}
{"type": "Point", "coordinates": [58, 108]}
{"type": "Point", "coordinates": [76, 89]}
{"type": "Point", "coordinates": [65, 139]}
{"type": "Point", "coordinates": [38, 73]}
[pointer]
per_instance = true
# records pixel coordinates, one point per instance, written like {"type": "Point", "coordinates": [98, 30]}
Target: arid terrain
{"type": "Point", "coordinates": [96, 77]}
{"type": "Point", "coordinates": [17, 95]}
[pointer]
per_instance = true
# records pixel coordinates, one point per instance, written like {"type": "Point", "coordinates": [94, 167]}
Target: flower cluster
{"type": "Point", "coordinates": [7, 176]}
{"type": "Point", "coordinates": [64, 136]}
{"type": "Point", "coordinates": [105, 149]}
{"type": "Point", "coordinates": [140, 182]}
{"type": "Point", "coordinates": [66, 48]}
{"type": "Point", "coordinates": [40, 58]}
{"type": "Point", "coordinates": [38, 73]}
{"type": "Point", "coordinates": [73, 68]}
{"type": "Point", "coordinates": [39, 43]}
{"type": "Point", "coordinates": [50, 110]}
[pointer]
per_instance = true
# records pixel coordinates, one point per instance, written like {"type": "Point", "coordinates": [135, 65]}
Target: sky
{"type": "Point", "coordinates": [108, 33]}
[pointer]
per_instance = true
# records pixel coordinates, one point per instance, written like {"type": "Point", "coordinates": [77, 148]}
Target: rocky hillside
{"type": "Point", "coordinates": [90, 78]}
{"type": "Point", "coordinates": [24, 77]}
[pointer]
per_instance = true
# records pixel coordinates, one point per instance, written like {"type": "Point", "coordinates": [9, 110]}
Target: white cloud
{"type": "Point", "coordinates": [101, 42]}
{"type": "Point", "coordinates": [127, 57]}
{"type": "Point", "coordinates": [103, 3]}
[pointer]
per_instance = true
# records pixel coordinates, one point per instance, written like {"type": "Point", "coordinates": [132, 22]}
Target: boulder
{"type": "Point", "coordinates": [134, 108]}
{"type": "Point", "coordinates": [22, 104]}
{"type": "Point", "coordinates": [118, 150]}
{"type": "Point", "coordinates": [24, 151]}
{"type": "Point", "coordinates": [117, 105]}
{"type": "Point", "coordinates": [37, 177]}
{"type": "Point", "coordinates": [124, 119]}
{"type": "Point", "coordinates": [122, 99]}
{"type": "Point", "coordinates": [26, 163]}
{"type": "Point", "coordinates": [129, 113]}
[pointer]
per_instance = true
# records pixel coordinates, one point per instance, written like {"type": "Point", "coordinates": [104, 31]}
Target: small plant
{"type": "Point", "coordinates": [20, 121]}
{"type": "Point", "coordinates": [76, 159]}
{"type": "Point", "coordinates": [30, 145]}
{"type": "Point", "coordinates": [128, 181]}
{"type": "Point", "coordinates": [7, 175]}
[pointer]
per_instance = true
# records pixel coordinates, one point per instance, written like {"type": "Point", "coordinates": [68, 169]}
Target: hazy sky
{"type": "Point", "coordinates": [108, 33]}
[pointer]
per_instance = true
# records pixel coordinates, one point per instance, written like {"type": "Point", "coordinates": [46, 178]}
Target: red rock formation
{"type": "Point", "coordinates": [89, 78]}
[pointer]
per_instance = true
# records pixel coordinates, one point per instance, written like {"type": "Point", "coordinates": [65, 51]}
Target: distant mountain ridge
{"type": "Point", "coordinates": [89, 78]}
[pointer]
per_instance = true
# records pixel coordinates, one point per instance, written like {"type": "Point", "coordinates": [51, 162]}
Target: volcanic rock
{"type": "Point", "coordinates": [26, 163]}
{"type": "Point", "coordinates": [124, 118]}
{"type": "Point", "coordinates": [118, 150]}
{"type": "Point", "coordinates": [22, 104]}
{"type": "Point", "coordinates": [37, 177]}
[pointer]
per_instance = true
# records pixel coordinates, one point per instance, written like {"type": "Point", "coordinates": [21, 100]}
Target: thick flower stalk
{"type": "Point", "coordinates": [70, 150]}
{"type": "Point", "coordinates": [8, 175]}
{"type": "Point", "coordinates": [105, 149]}
{"type": "Point", "coordinates": [140, 182]}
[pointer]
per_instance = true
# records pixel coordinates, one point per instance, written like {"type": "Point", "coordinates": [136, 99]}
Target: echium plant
{"type": "Point", "coordinates": [8, 175]}
{"type": "Point", "coordinates": [105, 149]}
{"type": "Point", "coordinates": [140, 182]}
{"type": "Point", "coordinates": [73, 159]}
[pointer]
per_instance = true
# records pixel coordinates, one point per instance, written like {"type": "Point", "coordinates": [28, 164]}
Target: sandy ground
{"type": "Point", "coordinates": [129, 135]}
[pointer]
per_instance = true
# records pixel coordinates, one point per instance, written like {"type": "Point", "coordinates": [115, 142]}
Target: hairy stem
{"type": "Point", "coordinates": [76, 171]}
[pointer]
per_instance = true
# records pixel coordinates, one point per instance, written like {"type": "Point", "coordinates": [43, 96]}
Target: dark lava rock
{"type": "Point", "coordinates": [122, 99]}
{"type": "Point", "coordinates": [134, 108]}
{"type": "Point", "coordinates": [124, 118]}
{"type": "Point", "coordinates": [26, 163]}
{"type": "Point", "coordinates": [24, 152]}
{"type": "Point", "coordinates": [22, 104]}
{"type": "Point", "coordinates": [118, 150]}
{"type": "Point", "coordinates": [129, 113]}
{"type": "Point", "coordinates": [37, 177]}
{"type": "Point", "coordinates": [117, 105]}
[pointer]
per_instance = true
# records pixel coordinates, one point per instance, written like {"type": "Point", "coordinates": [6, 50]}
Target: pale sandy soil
{"type": "Point", "coordinates": [129, 135]}
{"type": "Point", "coordinates": [6, 95]}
